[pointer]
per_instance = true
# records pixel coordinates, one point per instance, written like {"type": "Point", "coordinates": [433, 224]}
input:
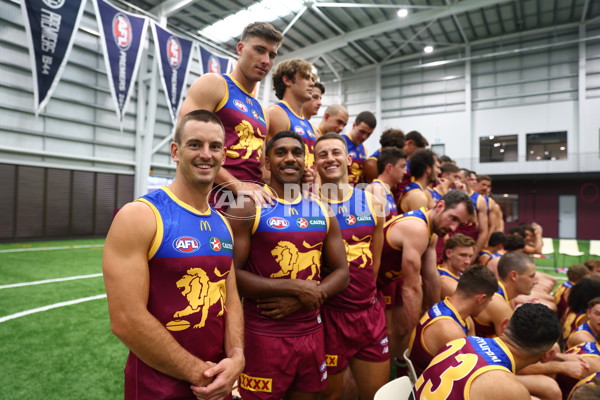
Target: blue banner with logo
{"type": "Point", "coordinates": [174, 54]}
{"type": "Point", "coordinates": [212, 62]}
{"type": "Point", "coordinates": [50, 27]}
{"type": "Point", "coordinates": [122, 35]}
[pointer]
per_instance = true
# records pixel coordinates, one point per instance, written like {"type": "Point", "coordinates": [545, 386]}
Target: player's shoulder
{"type": "Point", "coordinates": [511, 387]}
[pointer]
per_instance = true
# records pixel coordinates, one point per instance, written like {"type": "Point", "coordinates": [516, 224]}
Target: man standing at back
{"type": "Point", "coordinates": [363, 127]}
{"type": "Point", "coordinates": [290, 258]}
{"type": "Point", "coordinates": [334, 119]}
{"type": "Point", "coordinates": [230, 98]}
{"type": "Point", "coordinates": [311, 107]}
{"type": "Point", "coordinates": [293, 81]}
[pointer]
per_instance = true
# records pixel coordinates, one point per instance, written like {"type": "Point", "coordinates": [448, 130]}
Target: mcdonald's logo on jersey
{"type": "Point", "coordinates": [342, 210]}
{"type": "Point", "coordinates": [205, 226]}
{"type": "Point", "coordinates": [291, 211]}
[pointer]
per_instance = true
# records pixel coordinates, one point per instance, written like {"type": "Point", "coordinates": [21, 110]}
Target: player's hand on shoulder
{"type": "Point", "coordinates": [253, 191]}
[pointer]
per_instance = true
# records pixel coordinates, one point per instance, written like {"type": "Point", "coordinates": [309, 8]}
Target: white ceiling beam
{"type": "Point", "coordinates": [417, 18]}
{"type": "Point", "coordinates": [296, 18]}
{"type": "Point", "coordinates": [330, 65]}
{"type": "Point", "coordinates": [170, 7]}
{"type": "Point", "coordinates": [460, 29]}
{"type": "Point", "coordinates": [355, 5]}
{"type": "Point", "coordinates": [410, 39]}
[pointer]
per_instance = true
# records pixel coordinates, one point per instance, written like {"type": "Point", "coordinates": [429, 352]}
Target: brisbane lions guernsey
{"type": "Point", "coordinates": [189, 262]}
{"type": "Point", "coordinates": [391, 257]}
{"type": "Point", "coordinates": [588, 380]}
{"type": "Point", "coordinates": [486, 330]}
{"type": "Point", "coordinates": [391, 210]}
{"type": "Point", "coordinates": [586, 350]}
{"type": "Point", "coordinates": [455, 367]}
{"type": "Point", "coordinates": [287, 240]}
{"type": "Point", "coordinates": [359, 156]}
{"type": "Point", "coordinates": [357, 220]}
{"type": "Point", "coordinates": [245, 131]}
{"type": "Point", "coordinates": [304, 128]}
{"type": "Point", "coordinates": [419, 354]}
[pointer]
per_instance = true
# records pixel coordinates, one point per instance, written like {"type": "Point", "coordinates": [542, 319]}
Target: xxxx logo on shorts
{"type": "Point", "coordinates": [255, 384]}
{"type": "Point", "coordinates": [332, 360]}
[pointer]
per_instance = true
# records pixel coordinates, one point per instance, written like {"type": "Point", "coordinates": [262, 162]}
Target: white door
{"type": "Point", "coordinates": [567, 216]}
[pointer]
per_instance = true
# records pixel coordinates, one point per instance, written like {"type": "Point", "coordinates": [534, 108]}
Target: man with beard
{"type": "Point", "coordinates": [425, 169]}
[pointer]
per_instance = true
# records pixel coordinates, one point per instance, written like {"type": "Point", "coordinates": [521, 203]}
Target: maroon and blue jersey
{"type": "Point", "coordinates": [409, 188]}
{"type": "Point", "coordinates": [586, 350]}
{"type": "Point", "coordinates": [304, 128]}
{"type": "Point", "coordinates": [189, 261]}
{"type": "Point", "coordinates": [585, 327]}
{"type": "Point", "coordinates": [588, 380]}
{"type": "Point", "coordinates": [358, 153]}
{"type": "Point", "coordinates": [391, 210]}
{"type": "Point", "coordinates": [391, 257]}
{"type": "Point", "coordinates": [435, 194]}
{"type": "Point", "coordinates": [561, 296]}
{"type": "Point", "coordinates": [245, 131]}
{"type": "Point", "coordinates": [357, 220]}
{"type": "Point", "coordinates": [287, 239]}
{"type": "Point", "coordinates": [452, 371]}
{"type": "Point", "coordinates": [488, 330]}
{"type": "Point", "coordinates": [419, 354]}
{"type": "Point", "coordinates": [447, 273]}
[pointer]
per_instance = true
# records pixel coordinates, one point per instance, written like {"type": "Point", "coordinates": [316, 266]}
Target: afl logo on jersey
{"type": "Point", "coordinates": [214, 65]}
{"type": "Point", "coordinates": [240, 105]}
{"type": "Point", "coordinates": [278, 223]}
{"type": "Point", "coordinates": [302, 223]}
{"type": "Point", "coordinates": [186, 244]}
{"type": "Point", "coordinates": [299, 130]}
{"type": "Point", "coordinates": [174, 52]}
{"type": "Point", "coordinates": [121, 30]}
{"type": "Point", "coordinates": [350, 219]}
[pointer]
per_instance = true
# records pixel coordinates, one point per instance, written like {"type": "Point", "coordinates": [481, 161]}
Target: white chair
{"type": "Point", "coordinates": [412, 374]}
{"type": "Point", "coordinates": [547, 246]}
{"type": "Point", "coordinates": [595, 248]}
{"type": "Point", "coordinates": [398, 389]}
{"type": "Point", "coordinates": [569, 247]}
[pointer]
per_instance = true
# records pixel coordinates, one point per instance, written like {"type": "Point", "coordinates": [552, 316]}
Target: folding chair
{"type": "Point", "coordinates": [569, 247]}
{"type": "Point", "coordinates": [412, 374]}
{"type": "Point", "coordinates": [398, 389]}
{"type": "Point", "coordinates": [547, 246]}
{"type": "Point", "coordinates": [595, 248]}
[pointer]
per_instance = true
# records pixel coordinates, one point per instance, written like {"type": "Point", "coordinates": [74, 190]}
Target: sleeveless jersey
{"type": "Point", "coordinates": [486, 330]}
{"type": "Point", "coordinates": [453, 370]}
{"type": "Point", "coordinates": [304, 128]}
{"type": "Point", "coordinates": [357, 221]}
{"type": "Point", "coordinates": [391, 210]}
{"type": "Point", "coordinates": [189, 261]}
{"type": "Point", "coordinates": [585, 327]}
{"type": "Point", "coordinates": [419, 354]}
{"type": "Point", "coordinates": [588, 380]}
{"type": "Point", "coordinates": [471, 228]}
{"type": "Point", "coordinates": [375, 155]}
{"type": "Point", "coordinates": [435, 195]}
{"type": "Point", "coordinates": [359, 156]}
{"type": "Point", "coordinates": [445, 272]}
{"type": "Point", "coordinates": [561, 297]}
{"type": "Point", "coordinates": [287, 239]}
{"type": "Point", "coordinates": [245, 131]}
{"type": "Point", "coordinates": [409, 188]}
{"type": "Point", "coordinates": [391, 257]}
{"type": "Point", "coordinates": [589, 349]}
{"type": "Point", "coordinates": [572, 322]}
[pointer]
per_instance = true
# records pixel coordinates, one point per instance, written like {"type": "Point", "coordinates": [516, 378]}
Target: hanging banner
{"type": "Point", "coordinates": [213, 63]}
{"type": "Point", "coordinates": [50, 27]}
{"type": "Point", "coordinates": [122, 36]}
{"type": "Point", "coordinates": [174, 54]}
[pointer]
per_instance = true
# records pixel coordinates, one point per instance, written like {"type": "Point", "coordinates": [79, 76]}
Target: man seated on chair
{"type": "Point", "coordinates": [484, 368]}
{"type": "Point", "coordinates": [450, 319]}
{"type": "Point", "coordinates": [458, 253]}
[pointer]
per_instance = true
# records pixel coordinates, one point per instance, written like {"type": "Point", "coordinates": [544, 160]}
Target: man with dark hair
{"type": "Point", "coordinates": [391, 166]}
{"type": "Point", "coordinates": [484, 188]}
{"type": "Point", "coordinates": [389, 138]}
{"type": "Point", "coordinates": [158, 251]}
{"type": "Point", "coordinates": [293, 82]}
{"type": "Point", "coordinates": [354, 319]}
{"type": "Point", "coordinates": [280, 255]}
{"type": "Point", "coordinates": [479, 228]}
{"type": "Point", "coordinates": [587, 331]}
{"type": "Point", "coordinates": [245, 125]}
{"type": "Point", "coordinates": [362, 128]}
{"type": "Point", "coordinates": [311, 107]}
{"type": "Point", "coordinates": [575, 274]}
{"type": "Point", "coordinates": [450, 319]}
{"type": "Point", "coordinates": [425, 169]}
{"type": "Point", "coordinates": [334, 119]}
{"type": "Point", "coordinates": [458, 255]}
{"type": "Point", "coordinates": [469, 367]}
{"type": "Point", "coordinates": [494, 249]}
{"type": "Point", "coordinates": [409, 253]}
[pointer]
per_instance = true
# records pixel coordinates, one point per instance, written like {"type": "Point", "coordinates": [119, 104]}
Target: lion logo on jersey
{"type": "Point", "coordinates": [309, 156]}
{"type": "Point", "coordinates": [247, 141]}
{"type": "Point", "coordinates": [359, 250]}
{"type": "Point", "coordinates": [201, 293]}
{"type": "Point", "coordinates": [292, 261]}
{"type": "Point", "coordinates": [355, 172]}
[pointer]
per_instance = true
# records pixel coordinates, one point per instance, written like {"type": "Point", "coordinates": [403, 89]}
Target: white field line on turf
{"type": "Point", "coordinates": [81, 246]}
{"type": "Point", "coordinates": [50, 307]}
{"type": "Point", "coordinates": [69, 278]}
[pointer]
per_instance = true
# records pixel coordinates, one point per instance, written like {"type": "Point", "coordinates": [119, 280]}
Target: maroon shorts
{"type": "Point", "coordinates": [360, 334]}
{"type": "Point", "coordinates": [392, 294]}
{"type": "Point", "coordinates": [276, 365]}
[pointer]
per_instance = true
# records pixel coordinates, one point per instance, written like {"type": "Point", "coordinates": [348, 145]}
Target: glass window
{"type": "Point", "coordinates": [498, 148]}
{"type": "Point", "coordinates": [439, 148]}
{"type": "Point", "coordinates": [509, 204]}
{"type": "Point", "coordinates": [547, 146]}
